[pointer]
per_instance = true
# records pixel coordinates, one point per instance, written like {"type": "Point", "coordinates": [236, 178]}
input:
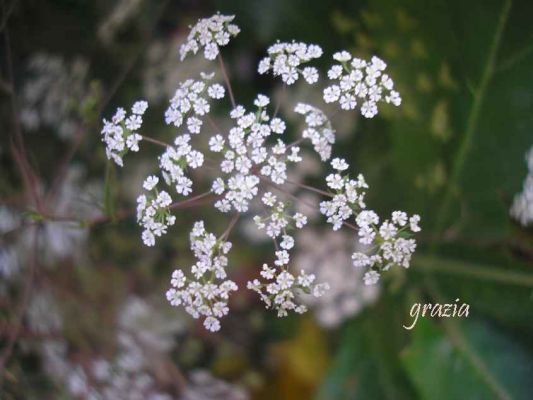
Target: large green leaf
{"type": "Point", "coordinates": [367, 364]}
{"type": "Point", "coordinates": [498, 291]}
{"type": "Point", "coordinates": [471, 360]}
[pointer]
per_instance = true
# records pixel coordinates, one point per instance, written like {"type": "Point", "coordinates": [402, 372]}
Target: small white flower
{"type": "Point", "coordinates": [277, 125]}
{"type": "Point", "coordinates": [413, 222]}
{"type": "Point", "coordinates": [310, 74]}
{"type": "Point", "coordinates": [331, 93]}
{"type": "Point", "coordinates": [282, 258]}
{"type": "Point", "coordinates": [371, 278]}
{"type": "Point", "coordinates": [139, 107]}
{"type": "Point", "coordinates": [342, 56]}
{"type": "Point", "coordinates": [133, 122]}
{"type": "Point", "coordinates": [261, 101]}
{"type": "Point", "coordinates": [269, 199]}
{"type": "Point", "coordinates": [216, 143]}
{"type": "Point", "coordinates": [212, 324]}
{"type": "Point", "coordinates": [216, 91]}
{"type": "Point", "coordinates": [285, 280]}
{"type": "Point", "coordinates": [150, 182]}
{"type": "Point", "coordinates": [300, 220]}
{"type": "Point", "coordinates": [339, 164]}
{"type": "Point", "coordinates": [399, 218]}
{"type": "Point", "coordinates": [194, 124]}
{"type": "Point", "coordinates": [218, 186]}
{"type": "Point", "coordinates": [178, 279]}
{"type": "Point", "coordinates": [287, 243]}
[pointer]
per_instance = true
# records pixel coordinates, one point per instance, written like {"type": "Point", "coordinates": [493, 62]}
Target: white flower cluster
{"type": "Point", "coordinates": [284, 59]}
{"type": "Point", "coordinates": [120, 134]}
{"type": "Point", "coordinates": [153, 212]}
{"type": "Point", "coordinates": [318, 129]}
{"type": "Point", "coordinates": [283, 287]}
{"type": "Point", "coordinates": [391, 241]}
{"type": "Point", "coordinates": [175, 160]}
{"type": "Point", "coordinates": [252, 156]}
{"type": "Point", "coordinates": [209, 34]}
{"type": "Point", "coordinates": [206, 293]}
{"type": "Point", "coordinates": [247, 155]}
{"type": "Point", "coordinates": [349, 196]}
{"type": "Point", "coordinates": [278, 221]}
{"type": "Point", "coordinates": [190, 102]}
{"type": "Point", "coordinates": [360, 80]}
{"type": "Point", "coordinates": [522, 207]}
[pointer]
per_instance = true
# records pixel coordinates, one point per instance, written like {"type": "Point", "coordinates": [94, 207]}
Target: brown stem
{"type": "Point", "coordinates": [213, 124]}
{"type": "Point", "coordinates": [18, 147]}
{"type": "Point", "coordinates": [278, 105]}
{"type": "Point", "coordinates": [310, 188]}
{"type": "Point", "coordinates": [155, 141]}
{"type": "Point", "coordinates": [232, 223]}
{"type": "Point", "coordinates": [226, 79]}
{"type": "Point", "coordinates": [295, 143]}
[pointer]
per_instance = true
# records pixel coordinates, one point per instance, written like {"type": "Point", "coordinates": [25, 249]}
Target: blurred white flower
{"type": "Point", "coordinates": [522, 207]}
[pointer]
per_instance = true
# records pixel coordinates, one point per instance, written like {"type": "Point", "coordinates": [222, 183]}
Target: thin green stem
{"type": "Point", "coordinates": [424, 263]}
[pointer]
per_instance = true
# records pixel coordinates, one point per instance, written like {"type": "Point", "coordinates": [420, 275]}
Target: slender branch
{"type": "Point", "coordinates": [310, 188]}
{"type": "Point", "coordinates": [155, 141]}
{"type": "Point", "coordinates": [295, 143]}
{"type": "Point", "coordinates": [281, 97]}
{"type": "Point", "coordinates": [63, 166]}
{"type": "Point", "coordinates": [213, 124]}
{"type": "Point", "coordinates": [275, 244]}
{"type": "Point", "coordinates": [230, 227]}
{"type": "Point", "coordinates": [482, 272]}
{"type": "Point", "coordinates": [191, 202]}
{"type": "Point", "coordinates": [226, 79]}
{"type": "Point", "coordinates": [18, 147]}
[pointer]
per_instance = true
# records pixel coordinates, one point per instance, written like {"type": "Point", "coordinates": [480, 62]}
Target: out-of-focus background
{"type": "Point", "coordinates": [83, 310]}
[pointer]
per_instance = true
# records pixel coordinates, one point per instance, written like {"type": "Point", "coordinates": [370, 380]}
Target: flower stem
{"type": "Point", "coordinates": [155, 141]}
{"type": "Point", "coordinates": [226, 79]}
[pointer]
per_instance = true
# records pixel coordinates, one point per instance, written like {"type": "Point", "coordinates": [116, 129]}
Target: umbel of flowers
{"type": "Point", "coordinates": [250, 163]}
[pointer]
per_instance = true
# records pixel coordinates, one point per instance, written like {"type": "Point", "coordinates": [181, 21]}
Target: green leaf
{"type": "Point", "coordinates": [501, 292]}
{"type": "Point", "coordinates": [367, 362]}
{"type": "Point", "coordinates": [472, 360]}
